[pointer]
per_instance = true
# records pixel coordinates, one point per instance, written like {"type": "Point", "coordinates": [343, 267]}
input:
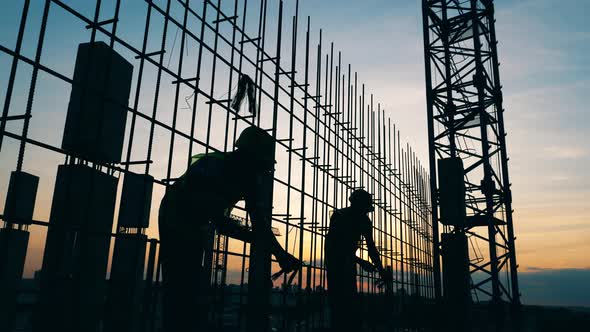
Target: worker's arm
{"type": "Point", "coordinates": [373, 253]}
{"type": "Point", "coordinates": [226, 226]}
{"type": "Point", "coordinates": [365, 265]}
{"type": "Point", "coordinates": [287, 261]}
{"type": "Point", "coordinates": [386, 275]}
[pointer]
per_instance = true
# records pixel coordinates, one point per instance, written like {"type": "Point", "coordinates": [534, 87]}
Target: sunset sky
{"type": "Point", "coordinates": [543, 50]}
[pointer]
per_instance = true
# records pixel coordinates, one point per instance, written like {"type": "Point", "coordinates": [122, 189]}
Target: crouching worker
{"type": "Point", "coordinates": [196, 206]}
{"type": "Point", "coordinates": [346, 228]}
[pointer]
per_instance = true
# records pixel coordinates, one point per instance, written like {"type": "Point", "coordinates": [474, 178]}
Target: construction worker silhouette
{"type": "Point", "coordinates": [197, 205]}
{"type": "Point", "coordinates": [347, 225]}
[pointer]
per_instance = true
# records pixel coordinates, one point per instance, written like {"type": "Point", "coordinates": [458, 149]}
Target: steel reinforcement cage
{"type": "Point", "coordinates": [187, 57]}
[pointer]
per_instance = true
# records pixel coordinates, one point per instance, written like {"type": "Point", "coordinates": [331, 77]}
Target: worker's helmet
{"type": "Point", "coordinates": [258, 144]}
{"type": "Point", "coordinates": [361, 199]}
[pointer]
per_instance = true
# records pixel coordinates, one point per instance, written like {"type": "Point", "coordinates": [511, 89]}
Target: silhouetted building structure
{"type": "Point", "coordinates": [14, 240]}
{"type": "Point", "coordinates": [124, 303]}
{"type": "Point", "coordinates": [76, 250]}
{"type": "Point", "coordinates": [76, 253]}
{"type": "Point", "coordinates": [468, 157]}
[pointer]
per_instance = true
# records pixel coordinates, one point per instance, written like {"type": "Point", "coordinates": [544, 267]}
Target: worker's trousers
{"type": "Point", "coordinates": [185, 255]}
{"type": "Point", "coordinates": [345, 313]}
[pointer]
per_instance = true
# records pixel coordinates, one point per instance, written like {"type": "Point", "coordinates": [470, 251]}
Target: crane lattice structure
{"type": "Point", "coordinates": [465, 122]}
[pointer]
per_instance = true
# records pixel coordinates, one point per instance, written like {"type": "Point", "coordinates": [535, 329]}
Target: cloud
{"type": "Point", "coordinates": [538, 286]}
{"type": "Point", "coordinates": [536, 269]}
{"type": "Point", "coordinates": [566, 152]}
{"type": "Point", "coordinates": [561, 287]}
{"type": "Point", "coordinates": [579, 223]}
{"type": "Point", "coordinates": [559, 178]}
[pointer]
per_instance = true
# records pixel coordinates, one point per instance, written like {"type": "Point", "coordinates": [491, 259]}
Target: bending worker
{"type": "Point", "coordinates": [346, 228]}
{"type": "Point", "coordinates": [196, 206]}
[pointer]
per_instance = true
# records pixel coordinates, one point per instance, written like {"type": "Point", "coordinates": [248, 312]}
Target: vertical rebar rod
{"type": "Point", "coordinates": [32, 86]}
{"type": "Point", "coordinates": [158, 84]}
{"type": "Point", "coordinates": [13, 67]}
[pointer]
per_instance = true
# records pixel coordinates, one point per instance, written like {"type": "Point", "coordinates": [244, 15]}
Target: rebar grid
{"type": "Point", "coordinates": [331, 136]}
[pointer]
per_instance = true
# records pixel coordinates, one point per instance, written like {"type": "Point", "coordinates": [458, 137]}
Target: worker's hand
{"type": "Point", "coordinates": [386, 278]}
{"type": "Point", "coordinates": [288, 262]}
{"type": "Point", "coordinates": [365, 265]}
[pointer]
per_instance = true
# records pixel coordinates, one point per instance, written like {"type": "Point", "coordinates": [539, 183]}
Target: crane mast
{"type": "Point", "coordinates": [472, 201]}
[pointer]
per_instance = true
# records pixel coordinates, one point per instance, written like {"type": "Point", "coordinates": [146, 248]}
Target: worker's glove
{"type": "Point", "coordinates": [288, 262]}
{"type": "Point", "coordinates": [365, 265]}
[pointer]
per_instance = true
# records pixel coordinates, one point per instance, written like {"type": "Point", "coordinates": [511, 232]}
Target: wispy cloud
{"type": "Point", "coordinates": [559, 178]}
{"type": "Point", "coordinates": [563, 287]}
{"type": "Point", "coordinates": [566, 152]}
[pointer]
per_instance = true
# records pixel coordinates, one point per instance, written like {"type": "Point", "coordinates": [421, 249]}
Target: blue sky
{"type": "Point", "coordinates": [543, 49]}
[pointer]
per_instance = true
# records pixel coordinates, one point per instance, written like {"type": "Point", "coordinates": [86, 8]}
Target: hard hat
{"type": "Point", "coordinates": [361, 198]}
{"type": "Point", "coordinates": [258, 143]}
